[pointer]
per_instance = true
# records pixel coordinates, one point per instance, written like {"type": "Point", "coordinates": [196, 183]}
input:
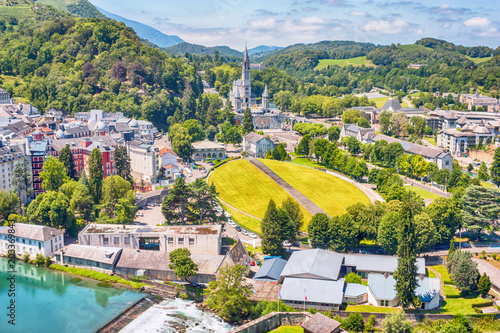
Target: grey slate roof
{"type": "Point", "coordinates": [318, 264]}
{"type": "Point", "coordinates": [354, 290]}
{"type": "Point", "coordinates": [253, 137]}
{"type": "Point", "coordinates": [107, 255]}
{"type": "Point", "coordinates": [318, 291]}
{"type": "Point", "coordinates": [270, 270]}
{"type": "Point", "coordinates": [319, 323]}
{"type": "Point", "coordinates": [376, 263]}
{"type": "Point", "coordinates": [383, 288]}
{"type": "Point", "coordinates": [392, 104]}
{"type": "Point", "coordinates": [31, 231]}
{"type": "Point", "coordinates": [428, 288]}
{"type": "Point", "coordinates": [411, 148]}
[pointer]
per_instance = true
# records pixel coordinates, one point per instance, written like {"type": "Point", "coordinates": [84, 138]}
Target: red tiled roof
{"type": "Point", "coordinates": [165, 150]}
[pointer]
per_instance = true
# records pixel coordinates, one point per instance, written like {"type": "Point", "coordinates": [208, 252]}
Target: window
{"type": "Point", "coordinates": [170, 240]}
{"type": "Point", "coordinates": [191, 241]}
{"type": "Point", "coordinates": [180, 240]}
{"type": "Point", "coordinates": [117, 240]}
{"type": "Point", "coordinates": [69, 259]}
{"type": "Point", "coordinates": [106, 241]}
{"type": "Point", "coordinates": [127, 240]}
{"type": "Point", "coordinates": [39, 245]}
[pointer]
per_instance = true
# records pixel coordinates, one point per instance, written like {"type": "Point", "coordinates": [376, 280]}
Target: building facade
{"type": "Point", "coordinates": [257, 145]}
{"type": "Point", "coordinates": [144, 161]}
{"type": "Point", "coordinates": [31, 239]}
{"type": "Point", "coordinates": [203, 150]}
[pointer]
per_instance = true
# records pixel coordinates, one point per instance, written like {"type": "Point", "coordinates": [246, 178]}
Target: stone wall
{"type": "Point", "coordinates": [152, 197]}
{"type": "Point", "coordinates": [381, 316]}
{"type": "Point", "coordinates": [272, 321]}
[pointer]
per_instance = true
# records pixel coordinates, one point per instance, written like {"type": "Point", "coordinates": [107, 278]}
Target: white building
{"type": "Point", "coordinates": [208, 150]}
{"type": "Point", "coordinates": [144, 160]}
{"type": "Point", "coordinates": [31, 239]}
{"type": "Point", "coordinates": [257, 145]}
{"type": "Point", "coordinates": [167, 156]}
{"type": "Point", "coordinates": [9, 156]}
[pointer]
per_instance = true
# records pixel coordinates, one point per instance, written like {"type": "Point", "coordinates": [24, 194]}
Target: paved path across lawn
{"type": "Point", "coordinates": [310, 206]}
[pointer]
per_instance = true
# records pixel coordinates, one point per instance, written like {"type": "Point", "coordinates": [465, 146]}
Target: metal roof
{"type": "Point", "coordinates": [383, 288]}
{"type": "Point", "coordinates": [428, 288]}
{"type": "Point", "coordinates": [354, 290]}
{"type": "Point", "coordinates": [378, 263]}
{"type": "Point", "coordinates": [270, 270]}
{"type": "Point", "coordinates": [319, 264]}
{"type": "Point", "coordinates": [317, 291]}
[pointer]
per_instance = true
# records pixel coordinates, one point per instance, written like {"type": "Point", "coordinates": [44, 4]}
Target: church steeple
{"type": "Point", "coordinates": [265, 98]}
{"type": "Point", "coordinates": [246, 60]}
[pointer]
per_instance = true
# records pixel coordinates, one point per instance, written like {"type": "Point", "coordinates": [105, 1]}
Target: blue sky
{"type": "Point", "coordinates": [277, 22]}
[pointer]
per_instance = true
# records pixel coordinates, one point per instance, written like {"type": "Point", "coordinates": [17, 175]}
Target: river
{"type": "Point", "coordinates": [53, 301]}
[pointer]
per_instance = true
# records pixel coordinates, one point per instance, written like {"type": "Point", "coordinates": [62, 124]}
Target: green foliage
{"type": "Point", "coordinates": [48, 262]}
{"type": "Point", "coordinates": [481, 206]}
{"type": "Point", "coordinates": [293, 210]}
{"type": "Point", "coordinates": [22, 179]}
{"type": "Point", "coordinates": [463, 271]}
{"type": "Point", "coordinates": [118, 201]}
{"type": "Point", "coordinates": [8, 204]}
{"type": "Point", "coordinates": [318, 229]}
{"type": "Point", "coordinates": [53, 174]}
{"type": "Point", "coordinates": [52, 209]}
{"type": "Point", "coordinates": [247, 121]}
{"type": "Point", "coordinates": [228, 295]}
{"type": "Point", "coordinates": [39, 260]}
{"type": "Point", "coordinates": [342, 233]}
{"type": "Point", "coordinates": [276, 227]}
{"type": "Point", "coordinates": [482, 173]}
{"type": "Point", "coordinates": [303, 147]}
{"type": "Point", "coordinates": [484, 284]}
{"type": "Point", "coordinates": [122, 163]}
{"type": "Point", "coordinates": [396, 323]}
{"type": "Point", "coordinates": [354, 322]}
{"type": "Point", "coordinates": [311, 129]}
{"type": "Point", "coordinates": [96, 175]}
{"type": "Point", "coordinates": [230, 133]}
{"type": "Point", "coordinates": [26, 257]}
{"type": "Point", "coordinates": [334, 133]}
{"type": "Point", "coordinates": [66, 157]}
{"type": "Point", "coordinates": [182, 264]}
{"type": "Point", "coordinates": [495, 168]}
{"type": "Point", "coordinates": [211, 132]}
{"type": "Point", "coordinates": [352, 278]}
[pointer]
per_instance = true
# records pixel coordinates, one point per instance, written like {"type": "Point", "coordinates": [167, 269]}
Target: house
{"type": "Point", "coordinates": [144, 161]}
{"type": "Point", "coordinates": [206, 149]}
{"type": "Point", "coordinates": [442, 159]}
{"type": "Point", "coordinates": [31, 239]}
{"type": "Point", "coordinates": [459, 140]}
{"type": "Point", "coordinates": [364, 264]}
{"type": "Point", "coordinates": [9, 156]}
{"type": "Point", "coordinates": [429, 292]}
{"type": "Point", "coordinates": [5, 97]}
{"type": "Point", "coordinates": [316, 293]}
{"type": "Point", "coordinates": [257, 145]}
{"type": "Point", "coordinates": [319, 323]}
{"type": "Point", "coordinates": [170, 170]}
{"type": "Point", "coordinates": [239, 254]}
{"type": "Point", "coordinates": [478, 100]}
{"type": "Point", "coordinates": [199, 239]}
{"type": "Point", "coordinates": [270, 270]}
{"type": "Point", "coordinates": [102, 259]}
{"type": "Point", "coordinates": [167, 156]}
{"type": "Point", "coordinates": [355, 293]}
{"type": "Point", "coordinates": [381, 290]}
{"type": "Point", "coordinates": [363, 135]}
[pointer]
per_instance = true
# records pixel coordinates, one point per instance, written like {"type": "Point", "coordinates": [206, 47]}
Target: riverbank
{"type": "Point", "coordinates": [97, 276]}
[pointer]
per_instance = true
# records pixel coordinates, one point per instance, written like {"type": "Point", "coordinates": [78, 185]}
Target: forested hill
{"type": "Point", "coordinates": [196, 49]}
{"type": "Point", "coordinates": [75, 64]}
{"type": "Point", "coordinates": [79, 8]}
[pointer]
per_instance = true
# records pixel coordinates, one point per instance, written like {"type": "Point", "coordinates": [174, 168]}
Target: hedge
{"type": "Point", "coordinates": [482, 304]}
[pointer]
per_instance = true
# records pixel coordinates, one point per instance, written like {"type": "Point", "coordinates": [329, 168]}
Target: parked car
{"type": "Point", "coordinates": [244, 232]}
{"type": "Point", "coordinates": [252, 263]}
{"type": "Point", "coordinates": [251, 234]}
{"type": "Point", "coordinates": [139, 214]}
{"type": "Point", "coordinates": [238, 228]}
{"type": "Point", "coordinates": [287, 243]}
{"type": "Point", "coordinates": [465, 245]}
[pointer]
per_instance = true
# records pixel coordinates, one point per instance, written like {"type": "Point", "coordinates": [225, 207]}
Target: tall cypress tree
{"type": "Point", "coordinates": [406, 272]}
{"type": "Point", "coordinates": [247, 121]}
{"type": "Point", "coordinates": [271, 230]}
{"type": "Point", "coordinates": [66, 156]}
{"type": "Point", "coordinates": [96, 174]}
{"type": "Point", "coordinates": [495, 168]}
{"type": "Point", "coordinates": [122, 163]}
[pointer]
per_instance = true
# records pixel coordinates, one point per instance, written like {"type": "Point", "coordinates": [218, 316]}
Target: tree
{"type": "Point", "coordinates": [406, 272]}
{"type": "Point", "coordinates": [353, 145]}
{"type": "Point", "coordinates": [391, 152]}
{"type": "Point", "coordinates": [81, 202]}
{"type": "Point", "coordinates": [319, 231]}
{"type": "Point", "coordinates": [271, 231]}
{"type": "Point", "coordinates": [446, 215]}
{"type": "Point", "coordinates": [181, 143]}
{"type": "Point", "coordinates": [211, 132]}
{"type": "Point", "coordinates": [21, 180]}
{"type": "Point", "coordinates": [52, 209]}
{"type": "Point", "coordinates": [495, 168]}
{"type": "Point", "coordinates": [8, 204]}
{"type": "Point", "coordinates": [396, 323]}
{"type": "Point", "coordinates": [385, 120]}
{"type": "Point", "coordinates": [66, 157]}
{"type": "Point", "coordinates": [182, 264]}
{"type": "Point", "coordinates": [463, 271]}
{"type": "Point", "coordinates": [304, 145]}
{"type": "Point", "coordinates": [122, 163]}
{"type": "Point", "coordinates": [484, 284]}
{"type": "Point", "coordinates": [195, 129]}
{"type": "Point", "coordinates": [269, 155]}
{"type": "Point", "coordinates": [354, 323]}
{"type": "Point", "coordinates": [353, 278]}
{"type": "Point", "coordinates": [53, 174]}
{"type": "Point", "coordinates": [293, 210]}
{"type": "Point", "coordinates": [118, 201]}
{"type": "Point", "coordinates": [228, 295]}
{"type": "Point", "coordinates": [482, 173]}
{"type": "Point", "coordinates": [425, 233]}
{"type": "Point", "coordinates": [96, 175]}
{"type": "Point", "coordinates": [202, 203]}
{"type": "Point", "coordinates": [334, 133]}
{"type": "Point", "coordinates": [247, 121]}
{"type": "Point", "coordinates": [176, 203]}
{"type": "Point", "coordinates": [388, 236]}
{"type": "Point", "coordinates": [342, 233]}
{"type": "Point", "coordinates": [481, 206]}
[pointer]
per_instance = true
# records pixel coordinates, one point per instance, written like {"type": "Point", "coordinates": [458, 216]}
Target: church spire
{"type": "Point", "coordinates": [266, 93]}
{"type": "Point", "coordinates": [246, 60]}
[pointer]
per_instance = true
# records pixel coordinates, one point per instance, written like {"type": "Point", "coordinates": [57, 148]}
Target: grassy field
{"type": "Point", "coordinates": [478, 60]}
{"type": "Point", "coordinates": [423, 193]}
{"type": "Point", "coordinates": [288, 329]}
{"type": "Point", "coordinates": [445, 277]}
{"type": "Point", "coordinates": [330, 193]}
{"type": "Point", "coordinates": [244, 220]}
{"type": "Point", "coordinates": [432, 141]}
{"type": "Point", "coordinates": [380, 101]}
{"type": "Point", "coordinates": [370, 308]}
{"type": "Point", "coordinates": [454, 303]}
{"type": "Point", "coordinates": [242, 185]}
{"type": "Point", "coordinates": [413, 47]}
{"type": "Point", "coordinates": [356, 62]}
{"type": "Point", "coordinates": [486, 184]}
{"type": "Point", "coordinates": [305, 162]}
{"type": "Point", "coordinates": [430, 273]}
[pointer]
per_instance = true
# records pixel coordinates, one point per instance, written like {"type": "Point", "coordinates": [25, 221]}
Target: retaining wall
{"type": "Point", "coordinates": [272, 321]}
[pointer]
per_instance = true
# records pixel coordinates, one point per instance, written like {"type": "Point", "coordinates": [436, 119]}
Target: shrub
{"type": "Point", "coordinates": [26, 257]}
{"type": "Point", "coordinates": [352, 278]}
{"type": "Point", "coordinates": [136, 279]}
{"type": "Point", "coordinates": [354, 322]}
{"type": "Point", "coordinates": [48, 262]}
{"type": "Point", "coordinates": [482, 304]}
{"type": "Point", "coordinates": [370, 323]}
{"type": "Point", "coordinates": [39, 260]}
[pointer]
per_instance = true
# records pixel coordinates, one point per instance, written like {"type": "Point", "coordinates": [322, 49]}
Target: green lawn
{"type": "Point", "coordinates": [445, 277]}
{"type": "Point", "coordinates": [486, 184]}
{"type": "Point", "coordinates": [330, 193]}
{"type": "Point", "coordinates": [305, 162]}
{"type": "Point", "coordinates": [370, 308]}
{"type": "Point", "coordinates": [432, 140]}
{"type": "Point", "coordinates": [288, 329]}
{"type": "Point", "coordinates": [356, 62]}
{"type": "Point", "coordinates": [245, 221]}
{"type": "Point", "coordinates": [380, 101]}
{"type": "Point", "coordinates": [242, 185]}
{"type": "Point", "coordinates": [454, 303]}
{"type": "Point", "coordinates": [430, 273]}
{"type": "Point", "coordinates": [478, 60]}
{"type": "Point", "coordinates": [423, 193]}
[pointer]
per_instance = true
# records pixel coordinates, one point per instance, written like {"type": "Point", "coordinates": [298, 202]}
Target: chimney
{"type": "Point", "coordinates": [86, 142]}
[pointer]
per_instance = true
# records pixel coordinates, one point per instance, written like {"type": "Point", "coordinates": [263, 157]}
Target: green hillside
{"type": "Point", "coordinates": [358, 61]}
{"type": "Point", "coordinates": [79, 8]}
{"type": "Point", "coordinates": [183, 48]}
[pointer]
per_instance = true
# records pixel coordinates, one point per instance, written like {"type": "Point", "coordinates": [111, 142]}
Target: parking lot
{"type": "Point", "coordinates": [152, 216]}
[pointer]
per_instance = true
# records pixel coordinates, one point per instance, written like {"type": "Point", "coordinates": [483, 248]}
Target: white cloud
{"type": "Point", "coordinates": [385, 27]}
{"type": "Point", "coordinates": [477, 22]}
{"type": "Point", "coordinates": [313, 20]}
{"type": "Point", "coordinates": [357, 13]}
{"type": "Point", "coordinates": [266, 24]}
{"type": "Point", "coordinates": [446, 25]}
{"type": "Point", "coordinates": [444, 6]}
{"type": "Point", "coordinates": [490, 32]}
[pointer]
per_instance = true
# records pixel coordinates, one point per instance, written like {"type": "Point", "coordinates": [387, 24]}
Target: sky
{"type": "Point", "coordinates": [282, 23]}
